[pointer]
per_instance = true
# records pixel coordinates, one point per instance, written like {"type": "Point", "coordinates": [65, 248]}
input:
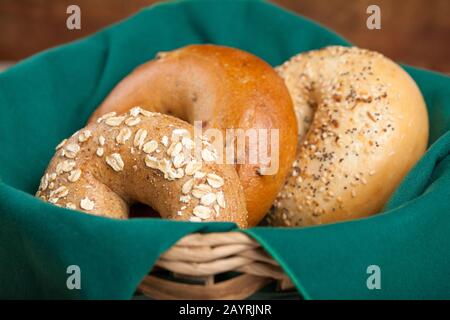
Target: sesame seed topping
{"type": "Point", "coordinates": [187, 143]}
{"type": "Point", "coordinates": [100, 152]}
{"type": "Point", "coordinates": [70, 205]}
{"type": "Point", "coordinates": [74, 175]}
{"type": "Point", "coordinates": [139, 138]}
{"type": "Point", "coordinates": [178, 160]}
{"type": "Point", "coordinates": [72, 150]}
{"type": "Point", "coordinates": [179, 133]}
{"type": "Point", "coordinates": [185, 199]}
{"type": "Point", "coordinates": [66, 165]}
{"type": "Point", "coordinates": [202, 212]}
{"type": "Point", "coordinates": [146, 113]}
{"type": "Point", "coordinates": [60, 192]}
{"type": "Point", "coordinates": [114, 121]}
{"type": "Point", "coordinates": [174, 149]}
{"type": "Point", "coordinates": [115, 162]}
{"type": "Point", "coordinates": [150, 146]}
{"type": "Point", "coordinates": [165, 141]}
{"type": "Point", "coordinates": [135, 111]}
{"type": "Point", "coordinates": [61, 144]}
{"type": "Point", "coordinates": [221, 199]}
{"type": "Point", "coordinates": [44, 182]}
{"type": "Point", "coordinates": [187, 186]}
{"type": "Point", "coordinates": [106, 116]}
{"type": "Point", "coordinates": [151, 162]}
{"type": "Point", "coordinates": [217, 210]}
{"type": "Point", "coordinates": [132, 121]}
{"type": "Point", "coordinates": [199, 175]}
{"type": "Point", "coordinates": [192, 167]}
{"type": "Point", "coordinates": [214, 180]}
{"type": "Point", "coordinates": [101, 140]}
{"type": "Point", "coordinates": [200, 190]}
{"type": "Point", "coordinates": [84, 135]}
{"type": "Point", "coordinates": [123, 136]}
{"type": "Point", "coordinates": [208, 199]}
{"type": "Point", "coordinates": [87, 204]}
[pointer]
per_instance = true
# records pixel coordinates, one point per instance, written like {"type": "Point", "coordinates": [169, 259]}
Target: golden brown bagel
{"type": "Point", "coordinates": [146, 158]}
{"type": "Point", "coordinates": [362, 125]}
{"type": "Point", "coordinates": [225, 88]}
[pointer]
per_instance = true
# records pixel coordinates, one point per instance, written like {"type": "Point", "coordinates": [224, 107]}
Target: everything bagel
{"type": "Point", "coordinates": [362, 123]}
{"type": "Point", "coordinates": [143, 157]}
{"type": "Point", "coordinates": [224, 88]}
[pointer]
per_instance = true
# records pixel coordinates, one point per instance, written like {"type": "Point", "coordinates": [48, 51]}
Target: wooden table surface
{"type": "Point", "coordinates": [416, 32]}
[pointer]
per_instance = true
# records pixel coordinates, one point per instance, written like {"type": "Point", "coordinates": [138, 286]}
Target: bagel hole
{"type": "Point", "coordinates": [141, 210]}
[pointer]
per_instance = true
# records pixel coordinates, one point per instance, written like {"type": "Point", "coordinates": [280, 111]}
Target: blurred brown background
{"type": "Point", "coordinates": [416, 32]}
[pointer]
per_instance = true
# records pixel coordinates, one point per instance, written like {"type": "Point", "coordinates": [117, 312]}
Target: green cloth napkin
{"type": "Point", "coordinates": [49, 96]}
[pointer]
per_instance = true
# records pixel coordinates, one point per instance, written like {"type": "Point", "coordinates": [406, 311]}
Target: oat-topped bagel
{"type": "Point", "coordinates": [143, 157]}
{"type": "Point", "coordinates": [224, 88]}
{"type": "Point", "coordinates": [362, 125]}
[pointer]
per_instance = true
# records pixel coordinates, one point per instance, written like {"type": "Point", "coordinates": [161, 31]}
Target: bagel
{"type": "Point", "coordinates": [224, 88]}
{"type": "Point", "coordinates": [362, 125]}
{"type": "Point", "coordinates": [147, 158]}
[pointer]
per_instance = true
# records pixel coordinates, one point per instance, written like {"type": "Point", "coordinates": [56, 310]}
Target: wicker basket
{"type": "Point", "coordinates": [197, 261]}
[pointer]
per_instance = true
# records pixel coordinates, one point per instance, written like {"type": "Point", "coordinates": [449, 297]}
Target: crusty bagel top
{"type": "Point", "coordinates": [363, 124]}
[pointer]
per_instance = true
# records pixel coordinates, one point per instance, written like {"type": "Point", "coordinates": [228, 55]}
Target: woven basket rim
{"type": "Point", "coordinates": [203, 256]}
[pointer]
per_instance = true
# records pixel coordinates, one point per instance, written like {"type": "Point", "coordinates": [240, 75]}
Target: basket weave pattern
{"type": "Point", "coordinates": [202, 257]}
